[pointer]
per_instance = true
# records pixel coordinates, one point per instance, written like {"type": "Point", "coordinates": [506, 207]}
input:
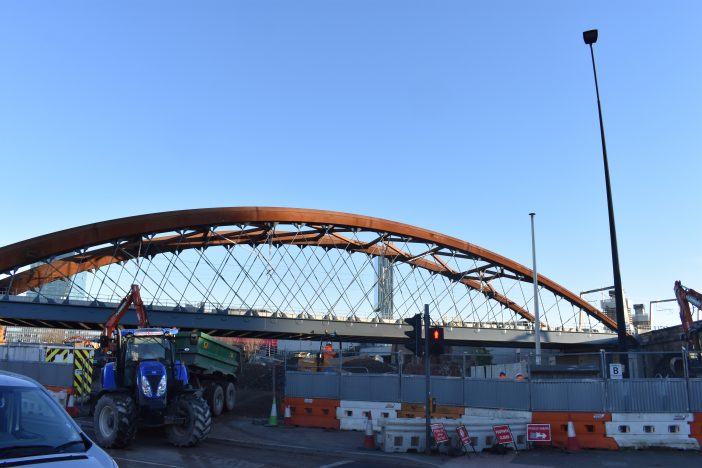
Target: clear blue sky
{"type": "Point", "coordinates": [461, 117]}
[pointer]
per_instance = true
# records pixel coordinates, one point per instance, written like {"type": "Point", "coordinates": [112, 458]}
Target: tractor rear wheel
{"type": "Point", "coordinates": [114, 420]}
{"type": "Point", "coordinates": [196, 425]}
{"type": "Point", "coordinates": [229, 395]}
{"type": "Point", "coordinates": [215, 397]}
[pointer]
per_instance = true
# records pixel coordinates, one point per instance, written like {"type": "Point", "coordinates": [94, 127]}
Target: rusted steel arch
{"type": "Point", "coordinates": [328, 226]}
{"type": "Point", "coordinates": [64, 267]}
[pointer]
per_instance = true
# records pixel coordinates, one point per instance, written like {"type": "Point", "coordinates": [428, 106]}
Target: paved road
{"type": "Point", "coordinates": [240, 442]}
{"type": "Point", "coordinates": [151, 450]}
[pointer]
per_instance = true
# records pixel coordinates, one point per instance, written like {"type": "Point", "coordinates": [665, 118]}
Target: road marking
{"type": "Point", "coordinates": [147, 463]}
{"type": "Point", "coordinates": [339, 463]}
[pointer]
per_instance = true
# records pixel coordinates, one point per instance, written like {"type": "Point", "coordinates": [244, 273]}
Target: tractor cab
{"type": "Point", "coordinates": [149, 344]}
{"type": "Point", "coordinates": [148, 361]}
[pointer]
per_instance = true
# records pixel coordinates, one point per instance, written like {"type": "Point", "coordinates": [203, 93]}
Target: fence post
{"type": "Point", "coordinates": [605, 386]}
{"type": "Point", "coordinates": [341, 367]}
{"type": "Point", "coordinates": [463, 387]}
{"type": "Point", "coordinates": [400, 364]}
{"type": "Point", "coordinates": [686, 374]}
{"type": "Point", "coordinates": [528, 371]}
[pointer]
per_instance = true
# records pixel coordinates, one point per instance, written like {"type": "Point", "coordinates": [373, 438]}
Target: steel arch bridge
{"type": "Point", "coordinates": [285, 272]}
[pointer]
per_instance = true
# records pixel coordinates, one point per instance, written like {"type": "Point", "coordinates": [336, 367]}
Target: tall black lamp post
{"type": "Point", "coordinates": [590, 37]}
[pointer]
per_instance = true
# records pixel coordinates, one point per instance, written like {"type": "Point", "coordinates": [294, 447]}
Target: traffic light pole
{"type": "Point", "coordinates": [427, 374]}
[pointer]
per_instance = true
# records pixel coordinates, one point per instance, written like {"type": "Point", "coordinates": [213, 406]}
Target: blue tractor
{"type": "Point", "coordinates": [143, 384]}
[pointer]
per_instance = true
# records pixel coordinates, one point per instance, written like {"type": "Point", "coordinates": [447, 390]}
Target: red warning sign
{"type": "Point", "coordinates": [440, 435]}
{"type": "Point", "coordinates": [463, 435]}
{"type": "Point", "coordinates": [503, 434]}
{"type": "Point", "coordinates": [538, 433]}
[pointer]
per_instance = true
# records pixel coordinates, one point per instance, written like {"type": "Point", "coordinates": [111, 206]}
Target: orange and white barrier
{"type": "Point", "coordinates": [415, 410]}
{"type": "Point", "coordinates": [408, 434]}
{"type": "Point", "coordinates": [480, 422]}
{"type": "Point", "coordinates": [643, 430]}
{"type": "Point", "coordinates": [590, 428]}
{"type": "Point", "coordinates": [353, 415]}
{"type": "Point", "coordinates": [402, 425]}
{"type": "Point", "coordinates": [313, 412]}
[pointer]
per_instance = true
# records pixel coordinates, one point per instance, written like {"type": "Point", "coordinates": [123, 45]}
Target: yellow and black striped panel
{"type": "Point", "coordinates": [82, 371]}
{"type": "Point", "coordinates": [57, 354]}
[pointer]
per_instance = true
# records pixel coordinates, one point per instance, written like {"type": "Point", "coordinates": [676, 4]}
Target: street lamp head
{"type": "Point", "coordinates": [590, 37]}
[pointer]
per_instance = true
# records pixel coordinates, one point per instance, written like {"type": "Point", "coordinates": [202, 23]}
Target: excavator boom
{"type": "Point", "coordinates": [133, 297]}
{"type": "Point", "coordinates": [685, 297]}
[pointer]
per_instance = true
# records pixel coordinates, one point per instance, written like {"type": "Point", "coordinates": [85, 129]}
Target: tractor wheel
{"type": "Point", "coordinates": [215, 398]}
{"type": "Point", "coordinates": [197, 424]}
{"type": "Point", "coordinates": [229, 395]}
{"type": "Point", "coordinates": [114, 420]}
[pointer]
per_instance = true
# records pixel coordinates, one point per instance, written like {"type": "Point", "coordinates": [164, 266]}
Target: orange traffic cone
{"type": "Point", "coordinates": [573, 445]}
{"type": "Point", "coordinates": [287, 417]}
{"type": "Point", "coordinates": [369, 442]}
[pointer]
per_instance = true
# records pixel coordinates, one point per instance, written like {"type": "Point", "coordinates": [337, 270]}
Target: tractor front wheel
{"type": "Point", "coordinates": [196, 425]}
{"type": "Point", "coordinates": [114, 420]}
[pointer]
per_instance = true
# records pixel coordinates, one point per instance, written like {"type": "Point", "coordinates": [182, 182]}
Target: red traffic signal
{"type": "Point", "coordinates": [436, 341]}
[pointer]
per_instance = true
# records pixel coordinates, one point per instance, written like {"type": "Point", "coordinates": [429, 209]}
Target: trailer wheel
{"type": "Point", "coordinates": [114, 420]}
{"type": "Point", "coordinates": [229, 395]}
{"type": "Point", "coordinates": [215, 398]}
{"type": "Point", "coordinates": [197, 424]}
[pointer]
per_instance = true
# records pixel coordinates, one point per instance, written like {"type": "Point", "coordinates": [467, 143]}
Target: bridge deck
{"type": "Point", "coordinates": [18, 311]}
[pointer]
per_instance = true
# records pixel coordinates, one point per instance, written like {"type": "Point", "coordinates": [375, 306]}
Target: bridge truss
{"type": "Point", "coordinates": [289, 263]}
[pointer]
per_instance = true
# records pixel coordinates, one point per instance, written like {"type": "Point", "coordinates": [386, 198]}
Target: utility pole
{"type": "Point", "coordinates": [427, 376]}
{"type": "Point", "coordinates": [590, 37]}
{"type": "Point", "coordinates": [537, 321]}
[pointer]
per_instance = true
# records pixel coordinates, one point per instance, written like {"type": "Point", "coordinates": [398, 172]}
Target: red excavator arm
{"type": "Point", "coordinates": [685, 297]}
{"type": "Point", "coordinates": [133, 297]}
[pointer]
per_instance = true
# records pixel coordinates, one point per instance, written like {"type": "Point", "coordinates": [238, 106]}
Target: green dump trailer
{"type": "Point", "coordinates": [212, 365]}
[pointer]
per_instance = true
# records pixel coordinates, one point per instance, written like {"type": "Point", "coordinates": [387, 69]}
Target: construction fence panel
{"type": "Point", "coordinates": [695, 391]}
{"type": "Point", "coordinates": [567, 395]}
{"type": "Point", "coordinates": [447, 390]}
{"type": "Point", "coordinates": [413, 389]}
{"type": "Point", "coordinates": [46, 373]}
{"type": "Point", "coordinates": [586, 395]}
{"type": "Point", "coordinates": [21, 353]}
{"type": "Point", "coordinates": [370, 387]}
{"type": "Point", "coordinates": [312, 385]}
{"type": "Point", "coordinates": [506, 394]}
{"type": "Point", "coordinates": [650, 395]}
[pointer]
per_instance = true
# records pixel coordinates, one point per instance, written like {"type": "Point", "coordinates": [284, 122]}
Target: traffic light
{"type": "Point", "coordinates": [436, 341]}
{"type": "Point", "coordinates": [415, 342]}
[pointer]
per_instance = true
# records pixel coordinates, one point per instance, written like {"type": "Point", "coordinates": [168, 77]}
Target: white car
{"type": "Point", "coordinates": [35, 429]}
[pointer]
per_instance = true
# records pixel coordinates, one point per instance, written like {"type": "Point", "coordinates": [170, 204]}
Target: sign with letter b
{"type": "Point", "coordinates": [616, 371]}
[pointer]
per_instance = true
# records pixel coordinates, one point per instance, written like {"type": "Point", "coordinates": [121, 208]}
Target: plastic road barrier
{"type": "Point", "coordinates": [313, 412]}
{"type": "Point", "coordinates": [642, 430]}
{"type": "Point", "coordinates": [590, 429]}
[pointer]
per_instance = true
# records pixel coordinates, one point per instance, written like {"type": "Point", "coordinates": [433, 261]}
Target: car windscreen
{"type": "Point", "coordinates": [32, 424]}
